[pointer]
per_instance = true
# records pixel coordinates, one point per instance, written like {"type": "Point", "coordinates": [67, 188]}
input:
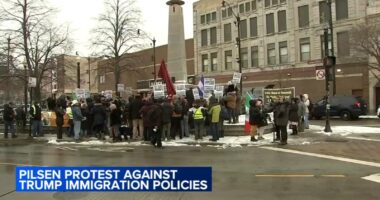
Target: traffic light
{"type": "Point", "coordinates": [328, 63]}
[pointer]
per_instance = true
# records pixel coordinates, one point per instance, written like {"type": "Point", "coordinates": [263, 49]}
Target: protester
{"type": "Point", "coordinates": [198, 115]}
{"type": "Point", "coordinates": [231, 106]}
{"type": "Point", "coordinates": [223, 116]}
{"type": "Point", "coordinates": [99, 115]}
{"type": "Point", "coordinates": [167, 111]}
{"type": "Point", "coordinates": [155, 118]}
{"type": "Point", "coordinates": [115, 121]}
{"type": "Point", "coordinates": [293, 116]}
{"type": "Point", "coordinates": [258, 119]}
{"type": "Point", "coordinates": [281, 118]}
{"type": "Point", "coordinates": [21, 117]}
{"type": "Point", "coordinates": [146, 120]}
{"type": "Point", "coordinates": [215, 117]}
{"type": "Point", "coordinates": [77, 119]}
{"type": "Point", "coordinates": [185, 118]}
{"type": "Point", "coordinates": [86, 115]}
{"type": "Point", "coordinates": [308, 105]}
{"type": "Point", "coordinates": [301, 114]}
{"type": "Point", "coordinates": [36, 117]}
{"type": "Point", "coordinates": [137, 122]}
{"type": "Point", "coordinates": [69, 112]}
{"type": "Point", "coordinates": [9, 117]}
{"type": "Point", "coordinates": [176, 118]}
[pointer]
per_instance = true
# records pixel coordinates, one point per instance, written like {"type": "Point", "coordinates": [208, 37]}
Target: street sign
{"type": "Point", "coordinates": [120, 87]}
{"type": "Point", "coordinates": [275, 94]}
{"type": "Point", "coordinates": [32, 82]}
{"type": "Point", "coordinates": [320, 74]}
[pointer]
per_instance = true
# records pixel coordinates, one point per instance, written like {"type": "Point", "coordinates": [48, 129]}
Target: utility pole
{"type": "Point", "coordinates": [327, 66]}
{"type": "Point", "coordinates": [329, 3]}
{"type": "Point", "coordinates": [25, 96]}
{"type": "Point", "coordinates": [8, 64]}
{"type": "Point", "coordinates": [154, 60]}
{"type": "Point", "coordinates": [89, 74]}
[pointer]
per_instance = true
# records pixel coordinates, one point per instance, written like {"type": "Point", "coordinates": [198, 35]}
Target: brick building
{"type": "Point", "coordinates": [137, 68]}
{"type": "Point", "coordinates": [281, 44]}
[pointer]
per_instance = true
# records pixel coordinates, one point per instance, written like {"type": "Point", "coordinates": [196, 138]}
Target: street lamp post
{"type": "Point", "coordinates": [238, 40]}
{"type": "Point", "coordinates": [154, 53]}
{"type": "Point", "coordinates": [89, 74]}
{"type": "Point", "coordinates": [78, 70]}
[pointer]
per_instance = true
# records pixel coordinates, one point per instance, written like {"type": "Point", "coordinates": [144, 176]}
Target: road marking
{"type": "Point", "coordinates": [365, 139]}
{"type": "Point", "coordinates": [16, 164]}
{"type": "Point", "coordinates": [66, 148]}
{"type": "Point", "coordinates": [360, 162]}
{"type": "Point", "coordinates": [333, 176]}
{"type": "Point", "coordinates": [373, 177]}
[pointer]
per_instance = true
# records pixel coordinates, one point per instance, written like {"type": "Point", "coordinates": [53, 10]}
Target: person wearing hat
{"type": "Point", "coordinates": [9, 120]}
{"type": "Point", "coordinates": [77, 119]}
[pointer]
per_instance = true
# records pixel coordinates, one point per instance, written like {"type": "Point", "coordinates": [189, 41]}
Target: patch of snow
{"type": "Point", "coordinates": [346, 130]}
{"type": "Point", "coordinates": [369, 117]}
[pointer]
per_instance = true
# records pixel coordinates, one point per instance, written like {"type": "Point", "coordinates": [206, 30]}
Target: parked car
{"type": "Point", "coordinates": [1, 116]}
{"type": "Point", "coordinates": [378, 111]}
{"type": "Point", "coordinates": [346, 107]}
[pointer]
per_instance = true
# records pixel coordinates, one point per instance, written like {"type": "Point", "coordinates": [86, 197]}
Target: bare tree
{"type": "Point", "coordinates": [116, 33]}
{"type": "Point", "coordinates": [365, 38]}
{"type": "Point", "coordinates": [35, 38]}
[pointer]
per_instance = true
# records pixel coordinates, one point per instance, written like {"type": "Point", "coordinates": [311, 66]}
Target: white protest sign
{"type": "Point", "coordinates": [209, 84]}
{"type": "Point", "coordinates": [219, 89]}
{"type": "Point", "coordinates": [180, 89]}
{"type": "Point", "coordinates": [158, 91]}
{"type": "Point", "coordinates": [80, 93]}
{"type": "Point", "coordinates": [236, 77]}
{"type": "Point", "coordinates": [108, 94]}
{"type": "Point", "coordinates": [120, 87]}
{"type": "Point", "coordinates": [196, 94]}
{"type": "Point", "coordinates": [128, 90]}
{"type": "Point", "coordinates": [32, 82]}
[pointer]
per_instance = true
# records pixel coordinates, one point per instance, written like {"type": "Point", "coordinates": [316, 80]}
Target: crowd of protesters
{"type": "Point", "coordinates": [287, 113]}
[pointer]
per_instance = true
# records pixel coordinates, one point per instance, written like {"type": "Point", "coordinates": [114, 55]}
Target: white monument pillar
{"type": "Point", "coordinates": [176, 42]}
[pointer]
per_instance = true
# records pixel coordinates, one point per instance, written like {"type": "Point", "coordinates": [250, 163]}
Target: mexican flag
{"type": "Point", "coordinates": [247, 127]}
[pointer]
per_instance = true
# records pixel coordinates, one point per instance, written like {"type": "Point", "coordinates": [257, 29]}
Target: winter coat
{"type": "Point", "coordinates": [167, 111]}
{"type": "Point", "coordinates": [231, 101]}
{"type": "Point", "coordinates": [134, 109]}
{"type": "Point", "coordinates": [59, 113]}
{"type": "Point", "coordinates": [155, 115]}
{"type": "Point", "coordinates": [35, 112]}
{"type": "Point", "coordinates": [257, 117]}
{"type": "Point", "coordinates": [215, 113]}
{"type": "Point", "coordinates": [144, 113]}
{"type": "Point", "coordinates": [115, 117]}
{"type": "Point", "coordinates": [77, 113]}
{"type": "Point", "coordinates": [301, 109]}
{"type": "Point", "coordinates": [282, 114]}
{"type": "Point", "coordinates": [99, 114]}
{"type": "Point", "coordinates": [9, 114]}
{"type": "Point", "coordinates": [293, 113]}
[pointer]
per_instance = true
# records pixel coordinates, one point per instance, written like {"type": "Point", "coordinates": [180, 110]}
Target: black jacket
{"type": "Point", "coordinates": [257, 117]}
{"type": "Point", "coordinates": [167, 111]}
{"type": "Point", "coordinates": [134, 109]}
{"type": "Point", "coordinates": [35, 114]}
{"type": "Point", "coordinates": [99, 114]}
{"type": "Point", "coordinates": [9, 114]}
{"type": "Point", "coordinates": [115, 117]}
{"type": "Point", "coordinates": [59, 113]}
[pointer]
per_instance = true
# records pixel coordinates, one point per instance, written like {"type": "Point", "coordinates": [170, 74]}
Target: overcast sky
{"type": "Point", "coordinates": [81, 14]}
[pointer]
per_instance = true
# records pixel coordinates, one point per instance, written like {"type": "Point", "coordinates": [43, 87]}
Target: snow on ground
{"type": "Point", "coordinates": [346, 130]}
{"type": "Point", "coordinates": [369, 117]}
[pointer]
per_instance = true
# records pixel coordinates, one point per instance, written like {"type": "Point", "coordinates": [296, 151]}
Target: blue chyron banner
{"type": "Point", "coordinates": [113, 179]}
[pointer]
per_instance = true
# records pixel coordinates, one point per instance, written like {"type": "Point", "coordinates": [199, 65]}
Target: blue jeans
{"type": "Point", "coordinates": [185, 126]}
{"type": "Point", "coordinates": [36, 128]}
{"type": "Point", "coordinates": [9, 126]}
{"type": "Point", "coordinates": [77, 125]}
{"type": "Point", "coordinates": [214, 131]}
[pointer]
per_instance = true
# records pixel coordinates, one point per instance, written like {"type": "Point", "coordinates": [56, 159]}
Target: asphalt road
{"type": "Point", "coordinates": [238, 173]}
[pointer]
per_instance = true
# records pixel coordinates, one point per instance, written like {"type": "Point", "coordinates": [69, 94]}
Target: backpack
{"type": "Point", "coordinates": [224, 113]}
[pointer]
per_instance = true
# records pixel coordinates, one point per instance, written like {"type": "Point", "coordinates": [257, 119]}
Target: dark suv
{"type": "Point", "coordinates": [347, 107]}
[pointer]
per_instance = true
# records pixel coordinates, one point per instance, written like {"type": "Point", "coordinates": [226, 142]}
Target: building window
{"type": "Point", "coordinates": [208, 18]}
{"type": "Point", "coordinates": [271, 54]}
{"type": "Point", "coordinates": [267, 3]}
{"type": "Point", "coordinates": [243, 29]}
{"type": "Point", "coordinates": [213, 35]}
{"type": "Point", "coordinates": [283, 51]}
{"type": "Point", "coordinates": [244, 58]}
{"type": "Point", "coordinates": [229, 12]}
{"type": "Point", "coordinates": [102, 79]}
{"type": "Point", "coordinates": [213, 17]}
{"type": "Point", "coordinates": [305, 49]}
{"type": "Point", "coordinates": [282, 1]}
{"type": "Point", "coordinates": [323, 46]}
{"type": "Point", "coordinates": [205, 67]}
{"type": "Point", "coordinates": [228, 60]}
{"type": "Point", "coordinates": [224, 13]}
{"type": "Point", "coordinates": [343, 44]}
{"type": "Point", "coordinates": [323, 13]}
{"type": "Point", "coordinates": [253, 26]}
{"type": "Point", "coordinates": [255, 56]}
{"type": "Point", "coordinates": [241, 8]}
{"type": "Point", "coordinates": [203, 19]}
{"type": "Point", "coordinates": [253, 5]}
{"type": "Point", "coordinates": [281, 15]}
{"type": "Point", "coordinates": [247, 6]}
{"type": "Point", "coordinates": [204, 38]}
{"type": "Point", "coordinates": [274, 2]}
{"type": "Point", "coordinates": [341, 9]}
{"type": "Point", "coordinates": [303, 16]}
{"type": "Point", "coordinates": [214, 61]}
{"type": "Point", "coordinates": [227, 33]}
{"type": "Point", "coordinates": [270, 23]}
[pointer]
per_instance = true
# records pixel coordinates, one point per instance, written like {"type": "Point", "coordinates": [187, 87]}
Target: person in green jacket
{"type": "Point", "coordinates": [215, 117]}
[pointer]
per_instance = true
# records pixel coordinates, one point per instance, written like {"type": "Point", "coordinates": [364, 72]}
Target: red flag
{"type": "Point", "coordinates": [164, 74]}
